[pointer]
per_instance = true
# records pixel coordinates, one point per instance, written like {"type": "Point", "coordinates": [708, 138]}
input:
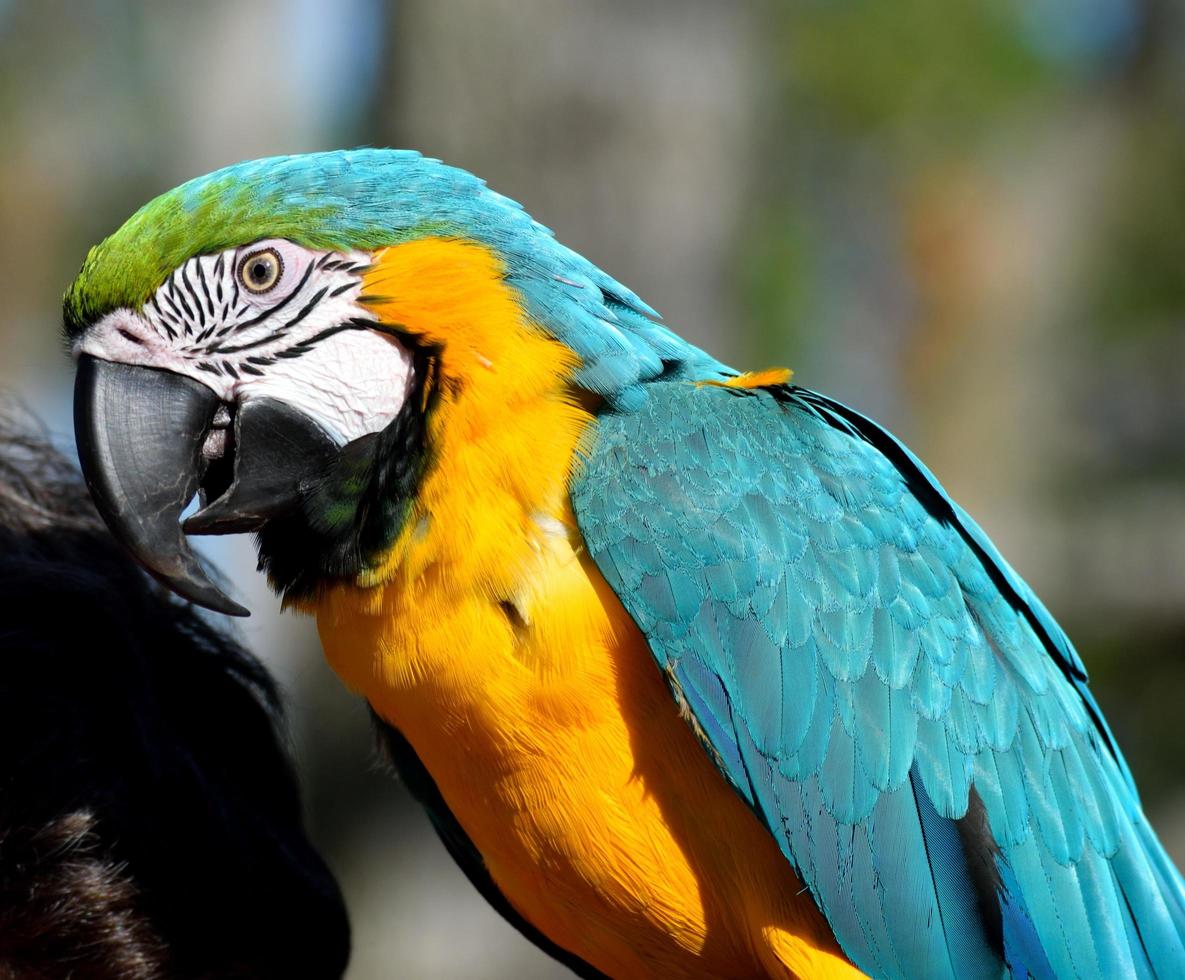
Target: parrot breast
{"type": "Point", "coordinates": [491, 642]}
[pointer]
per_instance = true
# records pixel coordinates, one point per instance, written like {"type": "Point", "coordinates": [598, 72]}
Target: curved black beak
{"type": "Point", "coordinates": [140, 433]}
{"type": "Point", "coordinates": [278, 450]}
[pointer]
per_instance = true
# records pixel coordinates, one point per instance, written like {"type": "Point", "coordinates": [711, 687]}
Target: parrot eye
{"type": "Point", "coordinates": [260, 271]}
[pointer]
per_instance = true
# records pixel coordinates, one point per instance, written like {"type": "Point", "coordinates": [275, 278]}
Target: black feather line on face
{"type": "Point", "coordinates": [190, 320]}
{"type": "Point", "coordinates": [199, 315]}
{"type": "Point", "coordinates": [261, 342]}
{"type": "Point", "coordinates": [272, 310]}
{"type": "Point", "coordinates": [353, 512]}
{"type": "Point", "coordinates": [163, 319]}
{"type": "Point", "coordinates": [209, 337]}
{"type": "Point", "coordinates": [171, 314]}
{"type": "Point", "coordinates": [307, 345]}
{"type": "Point", "coordinates": [307, 308]}
{"type": "Point", "coordinates": [177, 302]}
{"type": "Point", "coordinates": [205, 289]}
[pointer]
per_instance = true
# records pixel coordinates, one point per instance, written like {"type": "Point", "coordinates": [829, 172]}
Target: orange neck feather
{"type": "Point", "coordinates": [503, 428]}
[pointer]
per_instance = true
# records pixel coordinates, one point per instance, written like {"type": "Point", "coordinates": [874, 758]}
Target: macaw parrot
{"type": "Point", "coordinates": [699, 673]}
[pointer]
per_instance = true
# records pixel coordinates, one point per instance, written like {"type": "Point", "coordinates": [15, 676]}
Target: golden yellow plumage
{"type": "Point", "coordinates": [491, 641]}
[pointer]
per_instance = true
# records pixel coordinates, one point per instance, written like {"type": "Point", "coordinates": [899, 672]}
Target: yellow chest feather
{"type": "Point", "coordinates": [491, 642]}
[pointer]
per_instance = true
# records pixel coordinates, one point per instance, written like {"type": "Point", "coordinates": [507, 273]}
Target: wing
{"type": "Point", "coordinates": [887, 694]}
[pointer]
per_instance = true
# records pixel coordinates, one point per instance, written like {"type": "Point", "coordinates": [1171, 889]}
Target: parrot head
{"type": "Point", "coordinates": [274, 338]}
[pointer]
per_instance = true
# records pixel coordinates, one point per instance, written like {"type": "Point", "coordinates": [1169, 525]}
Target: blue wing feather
{"type": "Point", "coordinates": [878, 682]}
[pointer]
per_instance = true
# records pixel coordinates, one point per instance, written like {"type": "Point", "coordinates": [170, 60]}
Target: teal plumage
{"type": "Point", "coordinates": [888, 695]}
{"type": "Point", "coordinates": [371, 199]}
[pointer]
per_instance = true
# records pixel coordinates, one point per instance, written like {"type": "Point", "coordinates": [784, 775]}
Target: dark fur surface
{"type": "Point", "coordinates": [150, 821]}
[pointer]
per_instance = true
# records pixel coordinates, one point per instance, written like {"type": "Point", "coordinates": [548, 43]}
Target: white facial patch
{"type": "Point", "coordinates": [352, 383]}
{"type": "Point", "coordinates": [274, 320]}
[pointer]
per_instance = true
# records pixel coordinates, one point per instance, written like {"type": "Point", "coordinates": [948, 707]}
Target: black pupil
{"type": "Point", "coordinates": [260, 271]}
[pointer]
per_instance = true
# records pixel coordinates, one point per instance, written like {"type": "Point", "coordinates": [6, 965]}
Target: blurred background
{"type": "Point", "coordinates": [967, 220]}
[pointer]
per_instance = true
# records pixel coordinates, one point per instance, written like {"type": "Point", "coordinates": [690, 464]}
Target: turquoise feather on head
{"type": "Point", "coordinates": [364, 200]}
